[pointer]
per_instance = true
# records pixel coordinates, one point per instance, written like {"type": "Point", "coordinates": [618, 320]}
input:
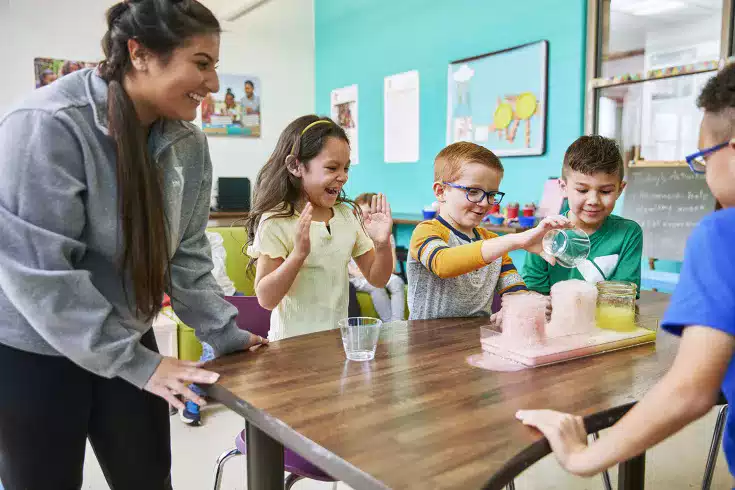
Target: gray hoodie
{"type": "Point", "coordinates": [61, 291]}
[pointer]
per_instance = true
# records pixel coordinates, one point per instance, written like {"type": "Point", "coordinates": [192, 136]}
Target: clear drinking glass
{"type": "Point", "coordinates": [360, 337]}
{"type": "Point", "coordinates": [570, 246]}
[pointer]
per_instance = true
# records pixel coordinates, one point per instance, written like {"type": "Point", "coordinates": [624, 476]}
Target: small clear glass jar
{"type": "Point", "coordinates": [616, 305]}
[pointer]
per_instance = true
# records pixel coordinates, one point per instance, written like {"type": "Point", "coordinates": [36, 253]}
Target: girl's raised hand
{"type": "Point", "coordinates": [378, 221]}
{"type": "Point", "coordinates": [302, 242]}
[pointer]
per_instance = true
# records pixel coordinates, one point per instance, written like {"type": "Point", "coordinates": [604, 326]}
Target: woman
{"type": "Point", "coordinates": [104, 203]}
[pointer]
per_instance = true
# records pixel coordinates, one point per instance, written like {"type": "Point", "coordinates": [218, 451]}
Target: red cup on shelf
{"type": "Point", "coordinates": [513, 211]}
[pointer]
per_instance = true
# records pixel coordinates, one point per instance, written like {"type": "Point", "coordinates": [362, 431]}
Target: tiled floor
{"type": "Point", "coordinates": [676, 464]}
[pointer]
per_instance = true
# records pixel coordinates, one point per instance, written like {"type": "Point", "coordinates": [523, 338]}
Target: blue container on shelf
{"type": "Point", "coordinates": [429, 214]}
{"type": "Point", "coordinates": [495, 220]}
{"type": "Point", "coordinates": [527, 221]}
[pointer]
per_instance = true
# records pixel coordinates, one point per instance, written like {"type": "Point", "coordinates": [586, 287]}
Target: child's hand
{"type": "Point", "coordinates": [378, 221]}
{"type": "Point", "coordinates": [302, 243]}
{"type": "Point", "coordinates": [566, 434]}
{"type": "Point", "coordinates": [496, 319]}
{"type": "Point", "coordinates": [531, 240]}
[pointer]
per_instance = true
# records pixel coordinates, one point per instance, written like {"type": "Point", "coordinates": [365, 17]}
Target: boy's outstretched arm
{"type": "Point", "coordinates": [429, 246]}
{"type": "Point", "coordinates": [686, 393]}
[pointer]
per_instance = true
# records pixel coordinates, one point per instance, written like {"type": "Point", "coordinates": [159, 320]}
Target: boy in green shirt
{"type": "Point", "coordinates": [592, 180]}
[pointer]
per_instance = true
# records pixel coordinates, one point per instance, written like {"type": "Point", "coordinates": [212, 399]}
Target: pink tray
{"type": "Point", "coordinates": [560, 349]}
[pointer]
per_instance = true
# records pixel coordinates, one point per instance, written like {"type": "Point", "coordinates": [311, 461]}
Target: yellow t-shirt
{"type": "Point", "coordinates": [318, 297]}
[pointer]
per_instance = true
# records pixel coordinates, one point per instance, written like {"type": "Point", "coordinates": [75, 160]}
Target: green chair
{"type": "Point", "coordinates": [236, 265]}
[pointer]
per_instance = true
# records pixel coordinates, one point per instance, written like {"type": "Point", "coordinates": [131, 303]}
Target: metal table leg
{"type": "Point", "coordinates": [265, 460]}
{"type": "Point", "coordinates": [632, 473]}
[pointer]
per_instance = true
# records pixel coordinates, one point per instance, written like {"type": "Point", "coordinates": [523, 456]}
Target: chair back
{"type": "Point", "coordinates": [250, 315]}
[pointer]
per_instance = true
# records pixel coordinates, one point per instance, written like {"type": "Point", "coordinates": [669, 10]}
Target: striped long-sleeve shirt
{"type": "Point", "coordinates": [447, 276]}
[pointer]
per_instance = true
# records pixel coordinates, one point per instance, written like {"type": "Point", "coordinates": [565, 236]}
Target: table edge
{"type": "Point", "coordinates": [536, 451]}
{"type": "Point", "coordinates": [323, 458]}
{"type": "Point", "coordinates": [353, 476]}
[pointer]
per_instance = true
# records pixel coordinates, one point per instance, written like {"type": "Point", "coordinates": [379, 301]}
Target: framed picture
{"type": "Point", "coordinates": [498, 100]}
{"type": "Point", "coordinates": [235, 109]}
{"type": "Point", "coordinates": [49, 69]}
{"type": "Point", "coordinates": [344, 112]}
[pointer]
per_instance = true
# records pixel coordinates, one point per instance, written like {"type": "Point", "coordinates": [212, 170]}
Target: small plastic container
{"type": "Point", "coordinates": [570, 247]}
{"type": "Point", "coordinates": [495, 220]}
{"type": "Point", "coordinates": [616, 306]}
{"type": "Point", "coordinates": [526, 221]}
{"type": "Point", "coordinates": [360, 337]}
{"type": "Point", "coordinates": [429, 214]}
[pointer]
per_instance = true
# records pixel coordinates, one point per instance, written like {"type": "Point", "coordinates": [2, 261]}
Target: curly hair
{"type": "Point", "coordinates": [589, 155]}
{"type": "Point", "coordinates": [718, 99]}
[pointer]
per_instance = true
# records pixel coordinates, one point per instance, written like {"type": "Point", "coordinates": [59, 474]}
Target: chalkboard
{"type": "Point", "coordinates": [667, 203]}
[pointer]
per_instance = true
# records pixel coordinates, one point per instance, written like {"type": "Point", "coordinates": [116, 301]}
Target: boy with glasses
{"type": "Point", "coordinates": [455, 268]}
{"type": "Point", "coordinates": [592, 181]}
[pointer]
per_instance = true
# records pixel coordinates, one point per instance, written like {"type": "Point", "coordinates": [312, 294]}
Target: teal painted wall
{"type": "Point", "coordinates": [363, 41]}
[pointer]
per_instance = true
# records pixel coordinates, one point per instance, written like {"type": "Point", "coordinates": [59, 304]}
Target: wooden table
{"type": "Point", "coordinates": [227, 218]}
{"type": "Point", "coordinates": [419, 416]}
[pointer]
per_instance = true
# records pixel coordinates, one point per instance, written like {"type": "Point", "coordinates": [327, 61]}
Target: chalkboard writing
{"type": "Point", "coordinates": [667, 203]}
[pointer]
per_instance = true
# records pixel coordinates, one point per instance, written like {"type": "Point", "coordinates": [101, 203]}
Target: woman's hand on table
{"type": "Point", "coordinates": [255, 341]}
{"type": "Point", "coordinates": [173, 376]}
{"type": "Point", "coordinates": [566, 435]}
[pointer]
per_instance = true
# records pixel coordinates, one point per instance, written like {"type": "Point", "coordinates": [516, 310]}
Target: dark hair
{"type": "Point", "coordinates": [592, 154]}
{"type": "Point", "coordinates": [66, 67]}
{"type": "Point", "coordinates": [44, 74]}
{"type": "Point", "coordinates": [718, 98]}
{"type": "Point", "coordinates": [365, 198]}
{"type": "Point", "coordinates": [248, 82]}
{"type": "Point", "coordinates": [160, 26]}
{"type": "Point", "coordinates": [448, 163]}
{"type": "Point", "coordinates": [277, 189]}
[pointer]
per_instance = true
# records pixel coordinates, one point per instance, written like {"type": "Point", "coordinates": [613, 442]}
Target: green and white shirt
{"type": "Point", "coordinates": [615, 255]}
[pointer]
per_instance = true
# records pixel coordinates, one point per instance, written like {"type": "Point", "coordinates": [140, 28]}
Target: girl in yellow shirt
{"type": "Point", "coordinates": [303, 232]}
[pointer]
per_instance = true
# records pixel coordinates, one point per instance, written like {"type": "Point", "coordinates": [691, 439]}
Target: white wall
{"type": "Point", "coordinates": [39, 28]}
{"type": "Point", "coordinates": [274, 42]}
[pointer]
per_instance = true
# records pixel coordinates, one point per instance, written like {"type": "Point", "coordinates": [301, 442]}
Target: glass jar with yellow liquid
{"type": "Point", "coordinates": [616, 305]}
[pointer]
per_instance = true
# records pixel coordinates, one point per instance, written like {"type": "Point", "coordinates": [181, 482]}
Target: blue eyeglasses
{"type": "Point", "coordinates": [477, 195]}
{"type": "Point", "coordinates": [698, 161]}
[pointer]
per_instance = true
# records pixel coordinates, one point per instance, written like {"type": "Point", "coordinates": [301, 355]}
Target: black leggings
{"type": "Point", "coordinates": [49, 407]}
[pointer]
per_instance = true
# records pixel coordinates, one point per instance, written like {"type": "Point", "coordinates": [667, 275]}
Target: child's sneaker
{"type": "Point", "coordinates": [191, 415]}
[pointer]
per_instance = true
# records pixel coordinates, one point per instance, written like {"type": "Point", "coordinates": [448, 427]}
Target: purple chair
{"type": "Point", "coordinates": [256, 319]}
{"type": "Point", "coordinates": [496, 303]}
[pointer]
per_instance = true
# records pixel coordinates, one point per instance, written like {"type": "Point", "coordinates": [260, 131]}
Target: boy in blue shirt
{"type": "Point", "coordinates": [702, 311]}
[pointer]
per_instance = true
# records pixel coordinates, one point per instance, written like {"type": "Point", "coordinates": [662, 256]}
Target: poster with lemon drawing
{"type": "Point", "coordinates": [498, 100]}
